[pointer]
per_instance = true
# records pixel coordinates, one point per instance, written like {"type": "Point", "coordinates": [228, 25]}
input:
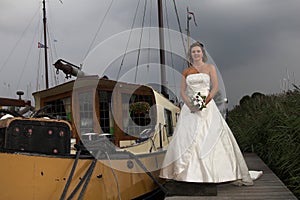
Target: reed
{"type": "Point", "coordinates": [270, 127]}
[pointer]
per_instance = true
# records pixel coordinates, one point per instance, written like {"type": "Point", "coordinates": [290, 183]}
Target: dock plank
{"type": "Point", "coordinates": [267, 187]}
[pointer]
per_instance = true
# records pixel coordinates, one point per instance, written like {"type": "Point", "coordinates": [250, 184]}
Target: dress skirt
{"type": "Point", "coordinates": [203, 149]}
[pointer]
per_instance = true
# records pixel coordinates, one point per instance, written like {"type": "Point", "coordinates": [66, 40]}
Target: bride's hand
{"type": "Point", "coordinates": [208, 99]}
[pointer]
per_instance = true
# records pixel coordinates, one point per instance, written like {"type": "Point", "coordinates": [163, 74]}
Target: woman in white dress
{"type": "Point", "coordinates": [203, 148]}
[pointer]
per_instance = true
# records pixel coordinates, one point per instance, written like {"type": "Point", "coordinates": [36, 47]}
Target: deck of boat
{"type": "Point", "coordinates": [269, 186]}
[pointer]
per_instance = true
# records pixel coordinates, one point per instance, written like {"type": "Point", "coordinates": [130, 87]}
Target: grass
{"type": "Point", "coordinates": [270, 127]}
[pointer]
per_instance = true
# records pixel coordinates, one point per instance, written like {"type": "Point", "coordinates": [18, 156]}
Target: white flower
{"type": "Point", "coordinates": [198, 100]}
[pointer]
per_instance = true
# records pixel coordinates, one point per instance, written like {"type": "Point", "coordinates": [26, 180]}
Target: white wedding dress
{"type": "Point", "coordinates": [203, 148]}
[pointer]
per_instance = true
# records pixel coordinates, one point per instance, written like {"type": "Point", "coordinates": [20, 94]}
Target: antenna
{"type": "Point", "coordinates": [189, 16]}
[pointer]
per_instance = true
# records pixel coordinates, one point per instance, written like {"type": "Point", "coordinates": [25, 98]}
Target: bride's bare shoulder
{"type": "Point", "coordinates": [210, 67]}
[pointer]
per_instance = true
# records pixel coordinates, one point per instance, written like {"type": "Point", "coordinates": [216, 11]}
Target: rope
{"type": "Point", "coordinates": [52, 51]}
{"type": "Point", "coordinates": [100, 26]}
{"type": "Point", "coordinates": [91, 169]}
{"type": "Point", "coordinates": [115, 176]}
{"type": "Point", "coordinates": [134, 18]}
{"type": "Point", "coordinates": [140, 43]}
{"type": "Point", "coordinates": [150, 24]}
{"type": "Point", "coordinates": [170, 43]}
{"type": "Point", "coordinates": [86, 177]}
{"type": "Point", "coordinates": [180, 30]}
{"type": "Point", "coordinates": [50, 57]}
{"type": "Point", "coordinates": [71, 175]}
{"type": "Point", "coordinates": [52, 47]}
{"type": "Point", "coordinates": [27, 56]}
{"type": "Point", "coordinates": [38, 71]}
{"type": "Point", "coordinates": [16, 44]}
{"type": "Point", "coordinates": [147, 172]}
{"type": "Point", "coordinates": [50, 27]}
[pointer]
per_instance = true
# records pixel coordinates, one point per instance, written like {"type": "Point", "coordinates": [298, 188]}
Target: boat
{"type": "Point", "coordinates": [89, 138]}
{"type": "Point", "coordinates": [37, 151]}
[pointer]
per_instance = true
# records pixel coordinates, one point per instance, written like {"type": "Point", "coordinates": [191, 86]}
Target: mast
{"type": "Point", "coordinates": [45, 44]}
{"type": "Point", "coordinates": [162, 51]}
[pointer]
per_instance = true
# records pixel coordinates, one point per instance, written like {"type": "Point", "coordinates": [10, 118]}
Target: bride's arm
{"type": "Point", "coordinates": [185, 98]}
{"type": "Point", "coordinates": [214, 81]}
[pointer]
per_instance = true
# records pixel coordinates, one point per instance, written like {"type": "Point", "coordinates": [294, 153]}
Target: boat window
{"type": "Point", "coordinates": [168, 122]}
{"type": "Point", "coordinates": [106, 118]}
{"type": "Point", "coordinates": [138, 118]}
{"type": "Point", "coordinates": [86, 112]}
{"type": "Point", "coordinates": [60, 109]}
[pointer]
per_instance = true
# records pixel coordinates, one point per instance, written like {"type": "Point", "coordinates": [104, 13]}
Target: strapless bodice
{"type": "Point", "coordinates": [199, 82]}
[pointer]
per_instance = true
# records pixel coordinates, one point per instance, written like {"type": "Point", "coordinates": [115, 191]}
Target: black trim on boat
{"type": "Point", "coordinates": [113, 156]}
{"type": "Point", "coordinates": [156, 194]}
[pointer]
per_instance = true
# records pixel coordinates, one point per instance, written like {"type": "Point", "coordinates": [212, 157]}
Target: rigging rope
{"type": "Point", "coordinates": [140, 43]}
{"type": "Point", "coordinates": [84, 180]}
{"type": "Point", "coordinates": [38, 71]}
{"type": "Point", "coordinates": [100, 26]}
{"type": "Point", "coordinates": [54, 77]}
{"type": "Point", "coordinates": [63, 195]}
{"type": "Point", "coordinates": [137, 160]}
{"type": "Point", "coordinates": [171, 54]}
{"type": "Point", "coordinates": [149, 38]}
{"type": "Point", "coordinates": [88, 178]}
{"type": "Point", "coordinates": [180, 30]}
{"type": "Point", "coordinates": [50, 57]}
{"type": "Point", "coordinates": [40, 63]}
{"type": "Point", "coordinates": [114, 174]}
{"type": "Point", "coordinates": [27, 56]}
{"type": "Point", "coordinates": [16, 44]}
{"type": "Point", "coordinates": [25, 63]}
{"type": "Point", "coordinates": [50, 28]}
{"type": "Point", "coordinates": [126, 48]}
{"type": "Point", "coordinates": [52, 47]}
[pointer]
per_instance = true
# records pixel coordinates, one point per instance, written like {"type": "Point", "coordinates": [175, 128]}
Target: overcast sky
{"type": "Point", "coordinates": [254, 43]}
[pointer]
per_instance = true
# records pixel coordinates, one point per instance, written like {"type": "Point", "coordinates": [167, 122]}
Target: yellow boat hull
{"type": "Point", "coordinates": [36, 176]}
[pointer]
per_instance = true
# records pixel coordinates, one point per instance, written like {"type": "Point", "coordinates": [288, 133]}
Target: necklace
{"type": "Point", "coordinates": [198, 66]}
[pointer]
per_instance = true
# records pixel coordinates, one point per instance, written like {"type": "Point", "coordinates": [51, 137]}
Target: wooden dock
{"type": "Point", "coordinates": [267, 187]}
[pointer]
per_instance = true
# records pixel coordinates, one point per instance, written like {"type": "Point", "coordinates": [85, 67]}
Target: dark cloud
{"type": "Point", "coordinates": [253, 42]}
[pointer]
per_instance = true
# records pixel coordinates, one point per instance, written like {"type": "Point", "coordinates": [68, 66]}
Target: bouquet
{"type": "Point", "coordinates": [198, 100]}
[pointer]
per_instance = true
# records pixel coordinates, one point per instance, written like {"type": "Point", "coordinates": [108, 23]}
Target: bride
{"type": "Point", "coordinates": [203, 148]}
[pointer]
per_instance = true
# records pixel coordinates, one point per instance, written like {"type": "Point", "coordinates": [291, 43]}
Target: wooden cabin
{"type": "Point", "coordinates": [127, 114]}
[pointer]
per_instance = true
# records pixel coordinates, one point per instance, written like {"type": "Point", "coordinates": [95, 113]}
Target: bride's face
{"type": "Point", "coordinates": [196, 53]}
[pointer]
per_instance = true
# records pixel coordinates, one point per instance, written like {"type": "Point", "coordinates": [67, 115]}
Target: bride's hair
{"type": "Point", "coordinates": [199, 44]}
